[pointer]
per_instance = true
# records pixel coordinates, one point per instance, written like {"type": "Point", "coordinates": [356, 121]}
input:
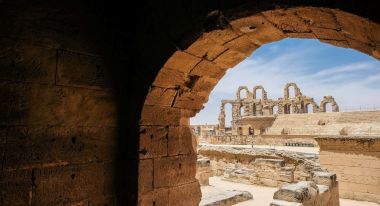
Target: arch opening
{"type": "Point", "coordinates": [235, 52]}
{"type": "Point", "coordinates": [309, 108]}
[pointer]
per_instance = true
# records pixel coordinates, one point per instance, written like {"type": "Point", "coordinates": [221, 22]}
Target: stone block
{"type": "Point", "coordinates": [35, 146]}
{"type": "Point", "coordinates": [366, 197]}
{"type": "Point", "coordinates": [153, 142]}
{"type": "Point", "coordinates": [180, 141]}
{"type": "Point", "coordinates": [298, 192]}
{"type": "Point", "coordinates": [172, 171]}
{"type": "Point", "coordinates": [221, 36]}
{"type": "Point", "coordinates": [230, 58]}
{"type": "Point", "coordinates": [242, 44]}
{"type": "Point", "coordinates": [182, 61]}
{"type": "Point", "coordinates": [353, 27]}
{"type": "Point", "coordinates": [258, 29]}
{"type": "Point", "coordinates": [81, 70]}
{"type": "Point", "coordinates": [156, 197]}
{"type": "Point", "coordinates": [319, 17]}
{"type": "Point", "coordinates": [338, 43]}
{"type": "Point", "coordinates": [160, 96]}
{"type": "Point", "coordinates": [324, 178]}
{"type": "Point", "coordinates": [204, 85]}
{"type": "Point", "coordinates": [189, 100]}
{"type": "Point", "coordinates": [354, 187]}
{"type": "Point", "coordinates": [69, 184]}
{"type": "Point", "coordinates": [55, 105]}
{"type": "Point", "coordinates": [187, 194]}
{"type": "Point", "coordinates": [276, 163]}
{"type": "Point", "coordinates": [208, 68]}
{"type": "Point", "coordinates": [206, 48]}
{"type": "Point", "coordinates": [170, 78]}
{"type": "Point", "coordinates": [330, 34]}
{"type": "Point", "coordinates": [287, 20]}
{"type": "Point", "coordinates": [145, 181]}
{"type": "Point", "coordinates": [158, 115]}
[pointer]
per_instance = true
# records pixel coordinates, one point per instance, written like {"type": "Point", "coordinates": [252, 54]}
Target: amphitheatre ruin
{"type": "Point", "coordinates": [97, 96]}
{"type": "Point", "coordinates": [342, 162]}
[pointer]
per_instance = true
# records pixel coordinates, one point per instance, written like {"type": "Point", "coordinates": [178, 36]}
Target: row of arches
{"type": "Point", "coordinates": [258, 92]}
{"type": "Point", "coordinates": [251, 95]}
{"type": "Point", "coordinates": [287, 109]}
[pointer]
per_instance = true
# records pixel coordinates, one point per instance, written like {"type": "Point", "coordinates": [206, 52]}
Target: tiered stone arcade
{"type": "Point", "coordinates": [251, 106]}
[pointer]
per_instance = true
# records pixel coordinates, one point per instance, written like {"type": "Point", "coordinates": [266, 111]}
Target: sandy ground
{"type": "Point", "coordinates": [312, 150]}
{"type": "Point", "coordinates": [262, 196]}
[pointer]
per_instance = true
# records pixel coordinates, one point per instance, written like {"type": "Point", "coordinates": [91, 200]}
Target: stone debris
{"type": "Point", "coordinates": [298, 192]}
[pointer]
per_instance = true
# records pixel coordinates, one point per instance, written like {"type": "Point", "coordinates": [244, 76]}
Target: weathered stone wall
{"type": "Point", "coordinates": [331, 123]}
{"type": "Point", "coordinates": [260, 166]}
{"type": "Point", "coordinates": [58, 112]}
{"type": "Point", "coordinates": [356, 161]}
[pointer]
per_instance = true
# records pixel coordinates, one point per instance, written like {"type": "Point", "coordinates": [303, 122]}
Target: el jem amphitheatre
{"type": "Point", "coordinates": [307, 155]}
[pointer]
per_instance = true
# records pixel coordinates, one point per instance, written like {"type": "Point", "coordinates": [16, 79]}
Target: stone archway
{"type": "Point", "coordinates": [190, 74]}
{"type": "Point", "coordinates": [329, 100]}
{"type": "Point", "coordinates": [264, 94]}
{"type": "Point", "coordinates": [297, 91]}
{"type": "Point", "coordinates": [238, 92]}
{"type": "Point", "coordinates": [72, 136]}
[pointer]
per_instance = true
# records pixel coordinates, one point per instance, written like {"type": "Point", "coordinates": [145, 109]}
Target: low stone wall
{"type": "Point", "coordinates": [286, 140]}
{"type": "Point", "coordinates": [204, 171]}
{"type": "Point", "coordinates": [321, 191]}
{"type": "Point", "coordinates": [260, 166]}
{"type": "Point", "coordinates": [356, 161]}
{"type": "Point", "coordinates": [280, 140]}
{"type": "Point", "coordinates": [230, 139]}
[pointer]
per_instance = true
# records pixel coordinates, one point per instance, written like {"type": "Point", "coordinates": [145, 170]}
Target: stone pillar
{"type": "Point", "coordinates": [222, 118]}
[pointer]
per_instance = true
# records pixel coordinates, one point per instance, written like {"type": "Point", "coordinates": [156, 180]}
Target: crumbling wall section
{"type": "Point", "coordinates": [260, 166]}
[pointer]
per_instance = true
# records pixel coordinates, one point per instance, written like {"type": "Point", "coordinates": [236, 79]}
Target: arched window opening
{"type": "Point", "coordinates": [243, 94]}
{"type": "Point", "coordinates": [241, 111]}
{"type": "Point", "coordinates": [259, 93]}
{"type": "Point", "coordinates": [228, 112]}
{"type": "Point", "coordinates": [327, 107]}
{"type": "Point", "coordinates": [275, 110]}
{"type": "Point", "coordinates": [287, 109]}
{"type": "Point", "coordinates": [309, 108]}
{"type": "Point", "coordinates": [291, 90]}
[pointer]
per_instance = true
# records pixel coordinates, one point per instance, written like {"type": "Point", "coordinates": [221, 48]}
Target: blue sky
{"type": "Point", "coordinates": [319, 69]}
